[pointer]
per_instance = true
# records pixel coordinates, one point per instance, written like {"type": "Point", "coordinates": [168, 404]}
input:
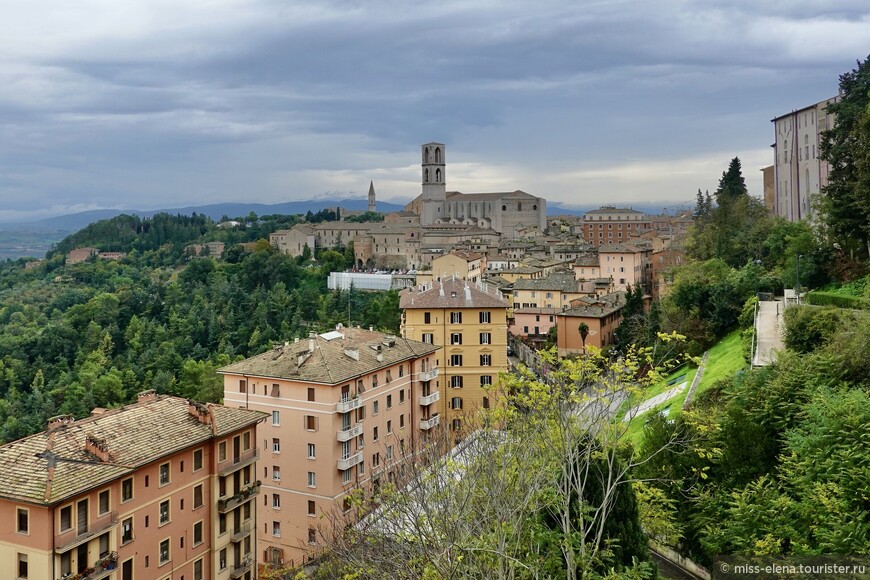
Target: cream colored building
{"type": "Point", "coordinates": [293, 241]}
{"type": "Point", "coordinates": [799, 174]}
{"type": "Point", "coordinates": [345, 408]}
{"type": "Point", "coordinates": [626, 265]}
{"type": "Point", "coordinates": [459, 264]}
{"type": "Point", "coordinates": [469, 322]}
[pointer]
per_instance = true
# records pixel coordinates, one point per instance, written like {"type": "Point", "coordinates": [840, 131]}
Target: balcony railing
{"type": "Point", "coordinates": [239, 569]}
{"type": "Point", "coordinates": [75, 536]}
{"type": "Point", "coordinates": [427, 375]}
{"type": "Point", "coordinates": [348, 405]}
{"type": "Point", "coordinates": [426, 424]}
{"type": "Point", "coordinates": [246, 493]}
{"type": "Point", "coordinates": [350, 461]}
{"type": "Point", "coordinates": [427, 400]}
{"type": "Point", "coordinates": [350, 433]}
{"type": "Point", "coordinates": [242, 532]}
{"type": "Point", "coordinates": [104, 567]}
{"type": "Point", "coordinates": [235, 463]}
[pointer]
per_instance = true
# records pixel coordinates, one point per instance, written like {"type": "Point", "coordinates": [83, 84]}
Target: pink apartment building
{"type": "Point", "coordinates": [158, 489]}
{"type": "Point", "coordinates": [345, 406]}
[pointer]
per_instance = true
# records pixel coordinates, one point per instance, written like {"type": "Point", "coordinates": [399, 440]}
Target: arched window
{"type": "Point", "coordinates": [425, 176]}
{"type": "Point", "coordinates": [426, 155]}
{"type": "Point", "coordinates": [437, 175]}
{"type": "Point", "coordinates": [535, 207]}
{"type": "Point", "coordinates": [438, 155]}
{"type": "Point", "coordinates": [519, 206]}
{"type": "Point", "coordinates": [504, 208]}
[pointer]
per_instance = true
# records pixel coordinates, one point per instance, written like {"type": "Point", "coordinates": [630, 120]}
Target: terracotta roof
{"type": "Point", "coordinates": [49, 467]}
{"type": "Point", "coordinates": [452, 294]}
{"type": "Point", "coordinates": [620, 248]}
{"type": "Point", "coordinates": [557, 282]}
{"type": "Point", "coordinates": [588, 259]}
{"type": "Point", "coordinates": [598, 309]}
{"type": "Point", "coordinates": [518, 194]}
{"type": "Point", "coordinates": [466, 255]}
{"type": "Point", "coordinates": [332, 359]}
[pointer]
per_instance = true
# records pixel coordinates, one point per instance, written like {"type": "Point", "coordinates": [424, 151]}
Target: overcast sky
{"type": "Point", "coordinates": [161, 103]}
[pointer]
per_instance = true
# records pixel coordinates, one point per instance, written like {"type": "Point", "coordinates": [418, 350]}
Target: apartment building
{"type": "Point", "coordinates": [626, 264]}
{"type": "Point", "coordinates": [470, 322]}
{"type": "Point", "coordinates": [798, 173]}
{"type": "Point", "coordinates": [158, 489]}
{"type": "Point", "coordinates": [610, 225]}
{"type": "Point", "coordinates": [601, 316]}
{"type": "Point", "coordinates": [460, 264]}
{"type": "Point", "coordinates": [345, 407]}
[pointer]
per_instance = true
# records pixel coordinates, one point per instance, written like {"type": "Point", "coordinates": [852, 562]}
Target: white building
{"type": "Point", "coordinates": [799, 174]}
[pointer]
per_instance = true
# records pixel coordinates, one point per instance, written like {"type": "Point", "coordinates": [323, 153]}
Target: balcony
{"type": "Point", "coordinates": [234, 464]}
{"type": "Point", "coordinates": [350, 461]}
{"type": "Point", "coordinates": [427, 400]}
{"type": "Point", "coordinates": [427, 375]}
{"type": "Point", "coordinates": [242, 532]}
{"type": "Point", "coordinates": [103, 568]}
{"type": "Point", "coordinates": [238, 570]}
{"type": "Point", "coordinates": [230, 503]}
{"type": "Point", "coordinates": [348, 405]}
{"type": "Point", "coordinates": [426, 424]}
{"type": "Point", "coordinates": [78, 536]}
{"type": "Point", "coordinates": [349, 433]}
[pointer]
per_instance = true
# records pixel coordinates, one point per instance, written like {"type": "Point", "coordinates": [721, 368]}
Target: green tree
{"type": "Point", "coordinates": [845, 203]}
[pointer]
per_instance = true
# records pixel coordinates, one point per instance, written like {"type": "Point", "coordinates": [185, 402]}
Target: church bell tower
{"type": "Point", "coordinates": [434, 173]}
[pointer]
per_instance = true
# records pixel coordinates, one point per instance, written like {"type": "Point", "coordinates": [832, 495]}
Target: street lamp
{"type": "Point", "coordinates": [798, 278]}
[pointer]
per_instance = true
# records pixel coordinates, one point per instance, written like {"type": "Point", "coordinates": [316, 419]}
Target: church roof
{"type": "Point", "coordinates": [492, 196]}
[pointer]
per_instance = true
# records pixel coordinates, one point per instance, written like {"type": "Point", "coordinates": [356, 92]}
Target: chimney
{"type": "Point", "coordinates": [310, 345]}
{"type": "Point", "coordinates": [59, 421]}
{"type": "Point", "coordinates": [199, 412]}
{"type": "Point", "coordinates": [380, 357]}
{"type": "Point", "coordinates": [98, 411]}
{"type": "Point", "coordinates": [146, 396]}
{"type": "Point", "coordinates": [98, 448]}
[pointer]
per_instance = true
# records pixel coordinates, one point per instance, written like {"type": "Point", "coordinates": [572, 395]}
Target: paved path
{"type": "Point", "coordinates": [768, 332]}
{"type": "Point", "coordinates": [655, 401]}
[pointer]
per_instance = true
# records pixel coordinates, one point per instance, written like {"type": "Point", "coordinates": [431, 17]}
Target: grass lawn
{"type": "Point", "coordinates": [726, 358]}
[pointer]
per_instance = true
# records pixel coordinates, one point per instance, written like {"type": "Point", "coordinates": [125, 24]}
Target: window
{"type": "Point", "coordinates": [456, 360]}
{"type": "Point", "coordinates": [246, 440]}
{"type": "Point", "coordinates": [455, 318]}
{"type": "Point", "coordinates": [310, 423]}
{"type": "Point", "coordinates": [456, 403]}
{"type": "Point", "coordinates": [389, 402]}
{"type": "Point", "coordinates": [164, 552]}
{"type": "Point", "coordinates": [222, 559]}
{"type": "Point", "coordinates": [276, 473]}
{"type": "Point", "coordinates": [243, 386]}
{"type": "Point", "coordinates": [23, 570]}
{"type": "Point", "coordinates": [427, 318]}
{"type": "Point", "coordinates": [456, 338]}
{"type": "Point", "coordinates": [486, 402]}
{"type": "Point", "coordinates": [389, 427]}
{"type": "Point", "coordinates": [374, 408]}
{"type": "Point", "coordinates": [456, 425]}
{"type": "Point", "coordinates": [276, 417]}
{"type": "Point", "coordinates": [65, 518]}
{"type": "Point", "coordinates": [401, 371]}
{"type": "Point", "coordinates": [428, 338]}
{"type": "Point", "coordinates": [197, 496]}
{"type": "Point", "coordinates": [312, 536]}
{"type": "Point", "coordinates": [276, 501]}
{"type": "Point", "coordinates": [375, 380]}
{"type": "Point", "coordinates": [276, 445]}
{"type": "Point", "coordinates": [401, 396]}
{"type": "Point", "coordinates": [222, 451]}
{"type": "Point", "coordinates": [276, 529]}
{"type": "Point", "coordinates": [402, 421]}
{"type": "Point", "coordinates": [361, 413]}
{"type": "Point", "coordinates": [345, 476]}
{"type": "Point", "coordinates": [127, 489]}
{"type": "Point", "coordinates": [164, 474]}
{"type": "Point", "coordinates": [389, 451]}
{"type": "Point", "coordinates": [197, 570]}
{"type": "Point", "coordinates": [485, 338]}
{"type": "Point", "coordinates": [312, 451]}
{"type": "Point", "coordinates": [222, 523]}
{"type": "Point", "coordinates": [312, 479]}
{"type": "Point", "coordinates": [389, 378]}
{"type": "Point", "coordinates": [484, 317]}
{"type": "Point", "coordinates": [164, 512]}
{"type": "Point", "coordinates": [456, 382]}
{"type": "Point", "coordinates": [376, 459]}
{"type": "Point", "coordinates": [486, 360]}
{"type": "Point", "coordinates": [103, 502]}
{"type": "Point", "coordinates": [197, 533]}
{"type": "Point", "coordinates": [23, 521]}
{"type": "Point", "coordinates": [197, 460]}
{"type": "Point", "coordinates": [375, 434]}
{"type": "Point", "coordinates": [311, 394]}
{"type": "Point", "coordinates": [485, 380]}
{"type": "Point", "coordinates": [312, 507]}
{"type": "Point", "coordinates": [127, 531]}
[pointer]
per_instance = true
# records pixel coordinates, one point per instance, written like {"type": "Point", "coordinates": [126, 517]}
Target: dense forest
{"type": "Point", "coordinates": [96, 333]}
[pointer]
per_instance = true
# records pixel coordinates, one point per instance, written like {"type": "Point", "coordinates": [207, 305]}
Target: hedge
{"type": "Point", "coordinates": [838, 300]}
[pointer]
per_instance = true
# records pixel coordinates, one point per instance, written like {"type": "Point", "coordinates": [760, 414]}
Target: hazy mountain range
{"type": "Point", "coordinates": [34, 238]}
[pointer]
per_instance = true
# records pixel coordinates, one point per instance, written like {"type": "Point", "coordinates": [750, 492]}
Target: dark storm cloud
{"type": "Point", "coordinates": [156, 104]}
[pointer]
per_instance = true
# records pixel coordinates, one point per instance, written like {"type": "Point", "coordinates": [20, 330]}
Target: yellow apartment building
{"type": "Point", "coordinates": [469, 322]}
{"type": "Point", "coordinates": [345, 407]}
